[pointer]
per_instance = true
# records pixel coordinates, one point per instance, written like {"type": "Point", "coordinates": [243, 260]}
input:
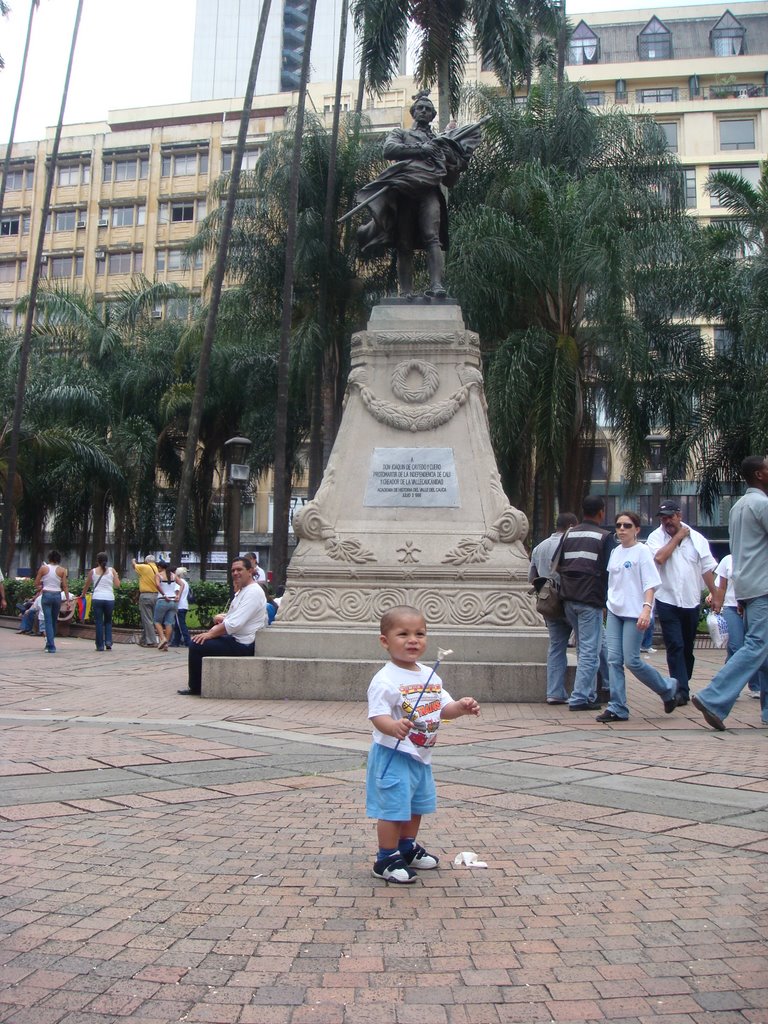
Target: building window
{"type": "Point", "coordinates": [724, 341]}
{"type": "Point", "coordinates": [125, 216]}
{"type": "Point", "coordinates": [184, 164]}
{"type": "Point", "coordinates": [65, 220]}
{"type": "Point", "coordinates": [655, 41]}
{"type": "Point", "coordinates": [584, 46]}
{"type": "Point", "coordinates": [19, 178]}
{"type": "Point", "coordinates": [328, 103]}
{"type": "Point", "coordinates": [250, 159]}
{"type": "Point", "coordinates": [727, 37]}
{"type": "Point", "coordinates": [65, 266]}
{"type": "Point", "coordinates": [182, 213]}
{"type": "Point", "coordinates": [134, 169]}
{"type": "Point", "coordinates": [592, 99]}
{"type": "Point", "coordinates": [10, 226]}
{"type": "Point", "coordinates": [177, 259]}
{"type": "Point", "coordinates": [6, 316]}
{"type": "Point", "coordinates": [657, 95]}
{"type": "Point", "coordinates": [74, 174]}
{"type": "Point", "coordinates": [689, 184]}
{"type": "Point", "coordinates": [750, 172]}
{"type": "Point", "coordinates": [8, 273]}
{"type": "Point", "coordinates": [177, 308]}
{"type": "Point", "coordinates": [670, 134]}
{"type": "Point", "coordinates": [124, 262]}
{"type": "Point", "coordinates": [737, 134]}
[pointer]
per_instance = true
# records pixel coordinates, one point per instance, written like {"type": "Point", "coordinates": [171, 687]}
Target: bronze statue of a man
{"type": "Point", "coordinates": [407, 202]}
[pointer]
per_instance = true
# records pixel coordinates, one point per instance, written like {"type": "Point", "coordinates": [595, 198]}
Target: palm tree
{"type": "Point", "coordinates": [201, 381]}
{"type": "Point", "coordinates": [569, 253]}
{"type": "Point", "coordinates": [501, 30]}
{"type": "Point", "coordinates": [29, 319]}
{"type": "Point", "coordinates": [34, 4]}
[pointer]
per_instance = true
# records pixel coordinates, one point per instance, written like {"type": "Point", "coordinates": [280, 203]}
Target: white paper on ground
{"type": "Point", "coordinates": [468, 859]}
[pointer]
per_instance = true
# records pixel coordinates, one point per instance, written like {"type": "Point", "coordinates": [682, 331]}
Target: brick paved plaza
{"type": "Point", "coordinates": [169, 859]}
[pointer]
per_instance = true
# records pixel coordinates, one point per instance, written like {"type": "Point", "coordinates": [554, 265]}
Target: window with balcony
{"type": "Point", "coordinates": [728, 37]}
{"type": "Point", "coordinates": [655, 41]}
{"type": "Point", "coordinates": [584, 45]}
{"type": "Point", "coordinates": [737, 134]}
{"type": "Point", "coordinates": [657, 95]}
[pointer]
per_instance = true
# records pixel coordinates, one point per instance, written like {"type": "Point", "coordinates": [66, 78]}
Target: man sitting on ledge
{"type": "Point", "coordinates": [233, 632]}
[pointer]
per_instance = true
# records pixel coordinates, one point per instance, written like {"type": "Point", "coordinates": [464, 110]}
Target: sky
{"type": "Point", "coordinates": [128, 55]}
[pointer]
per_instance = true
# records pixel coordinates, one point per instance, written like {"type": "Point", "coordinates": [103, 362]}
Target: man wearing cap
{"type": "Point", "coordinates": [683, 559]}
{"type": "Point", "coordinates": [748, 530]}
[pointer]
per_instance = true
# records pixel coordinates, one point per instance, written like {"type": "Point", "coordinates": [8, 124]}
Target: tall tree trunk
{"type": "Point", "coordinates": [444, 92]}
{"type": "Point", "coordinates": [562, 43]}
{"type": "Point", "coordinates": [99, 519]}
{"type": "Point", "coordinates": [282, 482]}
{"type": "Point", "coordinates": [26, 342]}
{"type": "Point", "coordinates": [34, 4]}
{"type": "Point", "coordinates": [324, 430]}
{"type": "Point", "coordinates": [201, 383]}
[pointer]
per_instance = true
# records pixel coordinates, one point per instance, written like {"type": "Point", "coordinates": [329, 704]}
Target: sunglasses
{"type": "Point", "coordinates": [624, 526]}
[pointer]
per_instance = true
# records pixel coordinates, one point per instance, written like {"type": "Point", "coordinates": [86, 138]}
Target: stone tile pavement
{"type": "Point", "coordinates": [168, 859]}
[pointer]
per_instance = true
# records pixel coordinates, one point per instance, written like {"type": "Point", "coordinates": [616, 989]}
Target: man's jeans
{"type": "Point", "coordinates": [720, 696]}
{"type": "Point", "coordinates": [557, 658]}
{"type": "Point", "coordinates": [587, 621]}
{"type": "Point", "coordinates": [678, 626]}
{"type": "Point", "coordinates": [624, 639]}
{"type": "Point", "coordinates": [736, 639]}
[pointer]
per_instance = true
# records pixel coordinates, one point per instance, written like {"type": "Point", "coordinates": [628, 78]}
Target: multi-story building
{"type": "Point", "coordinates": [130, 192]}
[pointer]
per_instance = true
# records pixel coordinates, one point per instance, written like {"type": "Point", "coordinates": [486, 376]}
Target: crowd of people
{"type": "Point", "coordinates": [611, 584]}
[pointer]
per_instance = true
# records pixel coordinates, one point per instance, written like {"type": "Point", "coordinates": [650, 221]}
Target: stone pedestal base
{"type": "Point", "coordinates": [410, 511]}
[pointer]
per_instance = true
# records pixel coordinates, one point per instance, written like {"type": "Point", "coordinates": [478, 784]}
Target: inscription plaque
{"type": "Point", "coordinates": [412, 478]}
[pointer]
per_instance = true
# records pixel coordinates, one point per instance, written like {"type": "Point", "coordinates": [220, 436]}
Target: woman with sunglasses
{"type": "Point", "coordinates": [632, 581]}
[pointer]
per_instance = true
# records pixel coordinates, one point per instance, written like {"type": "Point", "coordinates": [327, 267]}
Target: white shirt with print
{"type": "Point", "coordinates": [394, 691]}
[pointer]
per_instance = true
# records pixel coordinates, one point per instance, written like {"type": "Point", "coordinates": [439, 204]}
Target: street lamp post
{"type": "Point", "coordinates": [238, 472]}
{"type": "Point", "coordinates": [654, 475]}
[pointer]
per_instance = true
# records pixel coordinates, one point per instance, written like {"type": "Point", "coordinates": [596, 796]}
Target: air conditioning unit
{"type": "Point", "coordinates": [103, 222]}
{"type": "Point", "coordinates": [157, 314]}
{"type": "Point", "coordinates": [43, 259]}
{"type": "Point", "coordinates": [100, 254]}
{"type": "Point", "coordinates": [80, 224]}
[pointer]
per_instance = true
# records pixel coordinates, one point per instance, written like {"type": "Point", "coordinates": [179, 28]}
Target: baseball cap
{"type": "Point", "coordinates": [669, 508]}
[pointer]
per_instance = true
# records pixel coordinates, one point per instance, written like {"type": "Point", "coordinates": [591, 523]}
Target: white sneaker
{"type": "Point", "coordinates": [420, 859]}
{"type": "Point", "coordinates": [394, 869]}
{"type": "Point", "coordinates": [754, 694]}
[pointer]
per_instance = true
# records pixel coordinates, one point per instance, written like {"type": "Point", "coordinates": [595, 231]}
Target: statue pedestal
{"type": "Point", "coordinates": [410, 511]}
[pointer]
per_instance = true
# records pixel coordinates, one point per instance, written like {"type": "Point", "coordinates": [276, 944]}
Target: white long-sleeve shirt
{"type": "Point", "coordinates": [247, 614]}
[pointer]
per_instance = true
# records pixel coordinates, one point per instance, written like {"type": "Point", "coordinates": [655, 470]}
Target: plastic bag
{"type": "Point", "coordinates": [718, 630]}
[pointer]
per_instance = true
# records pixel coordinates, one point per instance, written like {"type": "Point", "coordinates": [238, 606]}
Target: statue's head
{"type": "Point", "coordinates": [423, 103]}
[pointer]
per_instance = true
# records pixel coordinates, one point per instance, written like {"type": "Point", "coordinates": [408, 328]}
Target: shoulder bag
{"type": "Point", "coordinates": [549, 604]}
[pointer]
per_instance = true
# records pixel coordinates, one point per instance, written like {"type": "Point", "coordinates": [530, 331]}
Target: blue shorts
{"type": "Point", "coordinates": [165, 612]}
{"type": "Point", "coordinates": [406, 789]}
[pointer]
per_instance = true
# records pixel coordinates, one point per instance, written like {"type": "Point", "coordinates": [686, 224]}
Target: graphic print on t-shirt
{"type": "Point", "coordinates": [426, 721]}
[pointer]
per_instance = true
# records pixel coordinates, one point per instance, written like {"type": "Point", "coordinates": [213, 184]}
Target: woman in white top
{"type": "Point", "coordinates": [103, 582]}
{"type": "Point", "coordinates": [51, 581]}
{"type": "Point", "coordinates": [167, 603]}
{"type": "Point", "coordinates": [632, 581]}
{"type": "Point", "coordinates": [730, 612]}
{"type": "Point", "coordinates": [180, 631]}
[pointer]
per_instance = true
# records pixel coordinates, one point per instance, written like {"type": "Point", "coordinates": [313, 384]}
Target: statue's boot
{"type": "Point", "coordinates": [436, 267]}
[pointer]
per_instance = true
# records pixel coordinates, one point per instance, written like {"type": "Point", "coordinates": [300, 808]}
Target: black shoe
{"type": "Point", "coordinates": [709, 716]}
{"type": "Point", "coordinates": [608, 716]}
{"type": "Point", "coordinates": [394, 869]}
{"type": "Point", "coordinates": [188, 693]}
{"type": "Point", "coordinates": [670, 705]}
{"type": "Point", "coordinates": [682, 700]}
{"type": "Point", "coordinates": [554, 700]}
{"type": "Point", "coordinates": [593, 705]}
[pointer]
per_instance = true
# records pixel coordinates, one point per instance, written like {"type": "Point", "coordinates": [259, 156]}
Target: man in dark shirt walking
{"type": "Point", "coordinates": [584, 589]}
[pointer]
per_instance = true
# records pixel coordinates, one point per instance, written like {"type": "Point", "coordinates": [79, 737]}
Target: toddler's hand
{"type": "Point", "coordinates": [402, 727]}
{"type": "Point", "coordinates": [469, 706]}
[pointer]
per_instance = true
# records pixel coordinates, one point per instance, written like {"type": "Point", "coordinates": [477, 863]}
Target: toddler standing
{"type": "Point", "coordinates": [400, 790]}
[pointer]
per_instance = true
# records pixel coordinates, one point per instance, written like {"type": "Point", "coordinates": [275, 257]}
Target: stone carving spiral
{"type": "Point", "coordinates": [309, 524]}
